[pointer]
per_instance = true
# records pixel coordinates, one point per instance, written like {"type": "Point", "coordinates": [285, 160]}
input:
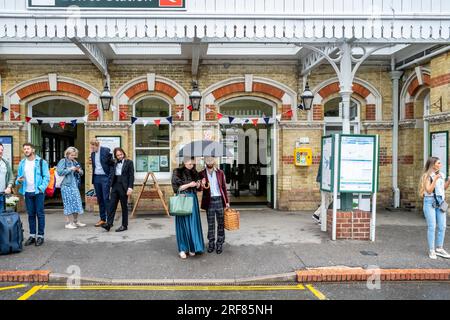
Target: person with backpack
{"type": "Point", "coordinates": [33, 177]}
{"type": "Point", "coordinates": [432, 188]}
{"type": "Point", "coordinates": [6, 179]}
{"type": "Point", "coordinates": [71, 170]}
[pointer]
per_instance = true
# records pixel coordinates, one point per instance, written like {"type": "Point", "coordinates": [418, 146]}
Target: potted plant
{"type": "Point", "coordinates": [11, 203]}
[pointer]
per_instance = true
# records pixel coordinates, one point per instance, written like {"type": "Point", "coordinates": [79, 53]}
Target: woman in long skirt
{"type": "Point", "coordinates": [188, 228]}
{"type": "Point", "coordinates": [72, 172]}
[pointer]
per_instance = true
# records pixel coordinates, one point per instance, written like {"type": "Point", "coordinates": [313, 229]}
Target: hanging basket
{"type": "Point", "coordinates": [231, 218]}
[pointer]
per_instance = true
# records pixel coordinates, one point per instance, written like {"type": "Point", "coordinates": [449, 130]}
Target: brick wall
{"type": "Point", "coordinates": [354, 225]}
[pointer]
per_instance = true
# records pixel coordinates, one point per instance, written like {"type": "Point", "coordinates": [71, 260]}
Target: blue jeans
{"type": "Point", "coordinates": [434, 216]}
{"type": "Point", "coordinates": [102, 190]}
{"type": "Point", "coordinates": [2, 203]}
{"type": "Point", "coordinates": [35, 209]}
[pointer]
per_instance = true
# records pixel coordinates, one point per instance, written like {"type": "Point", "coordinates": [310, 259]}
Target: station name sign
{"type": "Point", "coordinates": [108, 4]}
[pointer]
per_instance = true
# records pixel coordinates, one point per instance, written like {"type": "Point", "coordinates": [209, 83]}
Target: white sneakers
{"type": "Point", "coordinates": [183, 255]}
{"type": "Point", "coordinates": [75, 225]}
{"type": "Point", "coordinates": [442, 253]}
{"type": "Point", "coordinates": [71, 226]}
{"type": "Point", "coordinates": [432, 255]}
{"type": "Point", "coordinates": [192, 254]}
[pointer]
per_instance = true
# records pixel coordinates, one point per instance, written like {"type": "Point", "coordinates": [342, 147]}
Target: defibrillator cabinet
{"type": "Point", "coordinates": [303, 157]}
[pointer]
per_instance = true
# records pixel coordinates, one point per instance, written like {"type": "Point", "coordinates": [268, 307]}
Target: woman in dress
{"type": "Point", "coordinates": [188, 228]}
{"type": "Point", "coordinates": [71, 170]}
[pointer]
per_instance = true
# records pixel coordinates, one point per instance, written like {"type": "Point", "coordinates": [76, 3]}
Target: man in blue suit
{"type": "Point", "coordinates": [102, 164]}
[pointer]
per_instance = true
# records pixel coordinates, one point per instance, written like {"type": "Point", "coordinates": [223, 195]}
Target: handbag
{"type": "Point", "coordinates": [181, 205]}
{"type": "Point", "coordinates": [443, 206]}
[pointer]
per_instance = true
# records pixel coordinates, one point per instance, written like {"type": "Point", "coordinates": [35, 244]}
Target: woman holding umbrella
{"type": "Point", "coordinates": [188, 228]}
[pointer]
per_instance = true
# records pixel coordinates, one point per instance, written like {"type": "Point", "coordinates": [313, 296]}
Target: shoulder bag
{"type": "Point", "coordinates": [443, 206]}
{"type": "Point", "coordinates": [181, 205]}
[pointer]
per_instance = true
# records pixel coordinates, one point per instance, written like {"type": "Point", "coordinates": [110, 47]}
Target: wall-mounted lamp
{"type": "Point", "coordinates": [307, 99]}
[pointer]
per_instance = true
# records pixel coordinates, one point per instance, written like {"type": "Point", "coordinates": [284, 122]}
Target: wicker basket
{"type": "Point", "coordinates": [232, 218]}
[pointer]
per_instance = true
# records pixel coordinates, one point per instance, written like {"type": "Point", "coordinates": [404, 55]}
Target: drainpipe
{"type": "Point", "coordinates": [395, 77]}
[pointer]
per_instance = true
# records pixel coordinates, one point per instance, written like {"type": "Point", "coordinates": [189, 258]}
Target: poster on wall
{"type": "Point", "coordinates": [141, 163]}
{"type": "Point", "coordinates": [439, 148]}
{"type": "Point", "coordinates": [110, 142]}
{"type": "Point", "coordinates": [7, 148]}
{"type": "Point", "coordinates": [164, 161]}
{"type": "Point", "coordinates": [357, 164]}
{"type": "Point", "coordinates": [326, 183]}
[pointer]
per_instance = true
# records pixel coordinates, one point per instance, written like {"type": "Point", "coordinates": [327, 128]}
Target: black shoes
{"type": "Point", "coordinates": [30, 241]}
{"type": "Point", "coordinates": [121, 228]}
{"type": "Point", "coordinates": [219, 249]}
{"type": "Point", "coordinates": [106, 226]}
{"type": "Point", "coordinates": [39, 241]}
{"type": "Point", "coordinates": [210, 247]}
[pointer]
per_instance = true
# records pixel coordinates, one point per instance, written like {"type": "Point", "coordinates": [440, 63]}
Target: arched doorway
{"type": "Point", "coordinates": [50, 139]}
{"type": "Point", "coordinates": [249, 171]}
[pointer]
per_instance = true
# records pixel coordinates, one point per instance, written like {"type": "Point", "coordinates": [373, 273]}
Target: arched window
{"type": "Point", "coordinates": [242, 108]}
{"type": "Point", "coordinates": [56, 108]}
{"type": "Point", "coordinates": [332, 109]}
{"type": "Point", "coordinates": [152, 142]}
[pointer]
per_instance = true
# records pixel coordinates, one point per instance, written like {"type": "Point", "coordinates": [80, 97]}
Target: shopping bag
{"type": "Point", "coordinates": [181, 205]}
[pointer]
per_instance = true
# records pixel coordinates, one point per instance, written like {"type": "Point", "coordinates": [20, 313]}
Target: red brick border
{"type": "Point", "coordinates": [359, 274]}
{"type": "Point", "coordinates": [25, 276]}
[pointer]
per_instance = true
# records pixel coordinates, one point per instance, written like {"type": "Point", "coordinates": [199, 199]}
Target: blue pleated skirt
{"type": "Point", "coordinates": [189, 230]}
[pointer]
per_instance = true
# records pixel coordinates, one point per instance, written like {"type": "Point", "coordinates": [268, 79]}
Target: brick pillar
{"type": "Point", "coordinates": [285, 108]}
{"type": "Point", "coordinates": [409, 110]}
{"type": "Point", "coordinates": [317, 112]}
{"type": "Point", "coordinates": [371, 112]}
{"type": "Point", "coordinates": [93, 117]}
{"type": "Point", "coordinates": [175, 109]}
{"type": "Point", "coordinates": [353, 225]}
{"type": "Point", "coordinates": [212, 115]}
{"type": "Point", "coordinates": [14, 108]}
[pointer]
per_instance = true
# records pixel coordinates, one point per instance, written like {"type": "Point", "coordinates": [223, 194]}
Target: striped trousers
{"type": "Point", "coordinates": [214, 211]}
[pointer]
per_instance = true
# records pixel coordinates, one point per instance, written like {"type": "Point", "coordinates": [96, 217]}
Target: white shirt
{"type": "Point", "coordinates": [29, 176]}
{"type": "Point", "coordinates": [439, 189]}
{"type": "Point", "coordinates": [119, 168]}
{"type": "Point", "coordinates": [3, 173]}
{"type": "Point", "coordinates": [98, 165]}
{"type": "Point", "coordinates": [214, 184]}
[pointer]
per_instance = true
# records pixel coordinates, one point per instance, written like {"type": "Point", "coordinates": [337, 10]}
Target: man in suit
{"type": "Point", "coordinates": [102, 164]}
{"type": "Point", "coordinates": [214, 199]}
{"type": "Point", "coordinates": [122, 181]}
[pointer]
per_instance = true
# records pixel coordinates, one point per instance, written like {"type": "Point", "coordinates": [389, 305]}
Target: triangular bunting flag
{"type": "Point", "coordinates": [219, 116]}
{"type": "Point", "coordinates": [180, 114]}
{"type": "Point", "coordinates": [62, 124]}
{"type": "Point", "coordinates": [4, 109]}
{"type": "Point", "coordinates": [145, 122]}
{"type": "Point", "coordinates": [85, 119]}
{"type": "Point", "coordinates": [190, 108]}
{"type": "Point", "coordinates": [133, 120]}
{"type": "Point", "coordinates": [113, 108]}
{"type": "Point", "coordinates": [246, 120]}
{"type": "Point", "coordinates": [208, 110]}
{"type": "Point", "coordinates": [255, 122]}
{"type": "Point", "coordinates": [157, 122]}
{"type": "Point", "coordinates": [289, 113]}
{"type": "Point", "coordinates": [28, 119]}
{"type": "Point", "coordinates": [51, 124]}
{"type": "Point", "coordinates": [230, 119]}
{"type": "Point", "coordinates": [170, 119]}
{"type": "Point", "coordinates": [95, 113]}
{"type": "Point", "coordinates": [278, 117]}
{"type": "Point", "coordinates": [40, 121]}
{"type": "Point", "coordinates": [122, 115]}
{"type": "Point", "coordinates": [74, 123]}
{"type": "Point", "coordinates": [16, 114]}
{"type": "Point", "coordinates": [266, 120]}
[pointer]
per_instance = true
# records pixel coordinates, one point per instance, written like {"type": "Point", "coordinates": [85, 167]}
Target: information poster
{"type": "Point", "coordinates": [164, 161]}
{"type": "Point", "coordinates": [7, 148]}
{"type": "Point", "coordinates": [153, 163]}
{"type": "Point", "coordinates": [110, 142]}
{"type": "Point", "coordinates": [439, 148]}
{"type": "Point", "coordinates": [327, 164]}
{"type": "Point", "coordinates": [142, 163]}
{"type": "Point", "coordinates": [357, 164]}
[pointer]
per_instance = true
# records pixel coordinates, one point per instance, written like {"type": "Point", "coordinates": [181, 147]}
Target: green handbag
{"type": "Point", "coordinates": [181, 205]}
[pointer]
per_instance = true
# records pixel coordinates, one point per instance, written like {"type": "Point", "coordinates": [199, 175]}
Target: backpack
{"type": "Point", "coordinates": [11, 233]}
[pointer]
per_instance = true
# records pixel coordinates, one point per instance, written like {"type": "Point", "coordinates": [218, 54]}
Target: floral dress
{"type": "Point", "coordinates": [69, 188]}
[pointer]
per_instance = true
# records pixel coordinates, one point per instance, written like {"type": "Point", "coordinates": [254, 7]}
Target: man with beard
{"type": "Point", "coordinates": [214, 199]}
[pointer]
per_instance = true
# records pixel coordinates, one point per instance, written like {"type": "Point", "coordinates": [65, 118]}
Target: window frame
{"type": "Point", "coordinates": [161, 176]}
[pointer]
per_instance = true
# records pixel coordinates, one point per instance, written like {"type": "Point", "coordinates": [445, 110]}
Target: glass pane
{"type": "Point", "coordinates": [152, 136]}
{"type": "Point", "coordinates": [246, 108]}
{"type": "Point", "coordinates": [152, 107]}
{"type": "Point", "coordinates": [331, 108]}
{"type": "Point", "coordinates": [152, 160]}
{"type": "Point", "coordinates": [58, 108]}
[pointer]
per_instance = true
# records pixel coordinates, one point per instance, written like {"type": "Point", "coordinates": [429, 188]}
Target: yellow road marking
{"type": "Point", "coordinates": [175, 288]}
{"type": "Point", "coordinates": [13, 287]}
{"type": "Point", "coordinates": [30, 292]}
{"type": "Point", "coordinates": [316, 292]}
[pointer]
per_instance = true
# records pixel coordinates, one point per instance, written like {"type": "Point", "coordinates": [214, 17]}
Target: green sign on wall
{"type": "Point", "coordinates": [99, 4]}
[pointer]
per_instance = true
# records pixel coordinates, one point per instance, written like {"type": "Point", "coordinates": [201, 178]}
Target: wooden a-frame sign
{"type": "Point", "coordinates": [155, 187]}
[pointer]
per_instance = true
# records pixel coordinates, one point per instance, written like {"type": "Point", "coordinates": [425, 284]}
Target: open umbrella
{"type": "Point", "coordinates": [204, 148]}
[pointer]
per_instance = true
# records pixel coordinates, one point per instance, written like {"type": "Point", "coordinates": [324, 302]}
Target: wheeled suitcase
{"type": "Point", "coordinates": [11, 233]}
